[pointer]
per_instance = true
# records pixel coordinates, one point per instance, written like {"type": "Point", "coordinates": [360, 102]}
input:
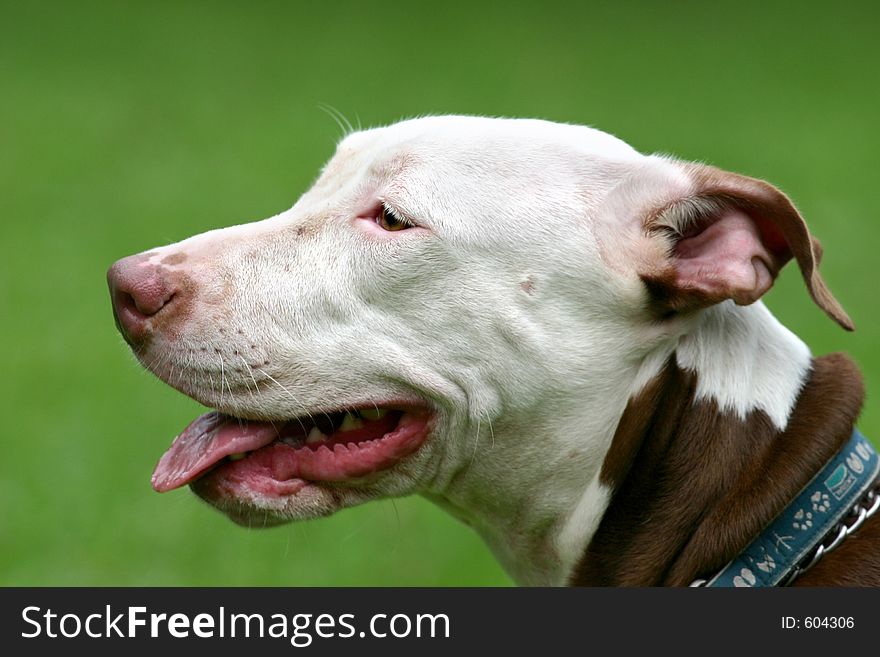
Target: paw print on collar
{"type": "Point", "coordinates": [803, 520]}
{"type": "Point", "coordinates": [767, 564]}
{"type": "Point", "coordinates": [821, 502]}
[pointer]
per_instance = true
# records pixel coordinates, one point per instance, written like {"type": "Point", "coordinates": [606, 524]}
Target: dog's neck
{"type": "Point", "coordinates": [714, 448]}
{"type": "Point", "coordinates": [677, 449]}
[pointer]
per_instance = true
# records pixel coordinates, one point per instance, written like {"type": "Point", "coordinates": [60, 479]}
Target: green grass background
{"type": "Point", "coordinates": [124, 125]}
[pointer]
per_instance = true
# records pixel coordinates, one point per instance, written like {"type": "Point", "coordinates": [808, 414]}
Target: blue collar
{"type": "Point", "coordinates": [776, 555]}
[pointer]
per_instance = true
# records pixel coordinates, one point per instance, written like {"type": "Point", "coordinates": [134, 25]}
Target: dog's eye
{"type": "Point", "coordinates": [388, 220]}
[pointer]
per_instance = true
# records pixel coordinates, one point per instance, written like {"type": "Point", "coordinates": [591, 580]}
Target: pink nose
{"type": "Point", "coordinates": [138, 291]}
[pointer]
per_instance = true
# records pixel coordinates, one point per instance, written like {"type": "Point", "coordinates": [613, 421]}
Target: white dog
{"type": "Point", "coordinates": [481, 311]}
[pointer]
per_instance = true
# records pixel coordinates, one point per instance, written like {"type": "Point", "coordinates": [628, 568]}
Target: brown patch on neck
{"type": "Point", "coordinates": [653, 412]}
{"type": "Point", "coordinates": [693, 486]}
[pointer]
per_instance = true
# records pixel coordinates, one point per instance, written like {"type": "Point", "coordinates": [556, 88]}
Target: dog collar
{"type": "Point", "coordinates": [815, 523]}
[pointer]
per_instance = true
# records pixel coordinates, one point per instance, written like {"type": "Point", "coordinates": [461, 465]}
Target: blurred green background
{"type": "Point", "coordinates": [125, 125]}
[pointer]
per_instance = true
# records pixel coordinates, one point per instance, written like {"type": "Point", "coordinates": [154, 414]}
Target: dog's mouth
{"type": "Point", "coordinates": [279, 458]}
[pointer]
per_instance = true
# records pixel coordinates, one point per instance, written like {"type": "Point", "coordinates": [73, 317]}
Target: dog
{"type": "Point", "coordinates": [555, 338]}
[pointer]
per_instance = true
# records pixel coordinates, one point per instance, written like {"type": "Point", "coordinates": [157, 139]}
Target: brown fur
{"type": "Point", "coordinates": [693, 486]}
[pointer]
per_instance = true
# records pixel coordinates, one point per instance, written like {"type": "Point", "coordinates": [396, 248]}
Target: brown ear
{"type": "Point", "coordinates": [728, 239]}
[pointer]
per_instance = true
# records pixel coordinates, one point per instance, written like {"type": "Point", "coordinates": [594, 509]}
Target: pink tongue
{"type": "Point", "coordinates": [203, 443]}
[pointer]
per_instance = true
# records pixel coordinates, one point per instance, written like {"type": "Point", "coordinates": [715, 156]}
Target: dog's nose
{"type": "Point", "coordinates": [138, 290]}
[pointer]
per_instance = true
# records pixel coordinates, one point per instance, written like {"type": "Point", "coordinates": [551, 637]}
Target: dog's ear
{"type": "Point", "coordinates": [727, 239]}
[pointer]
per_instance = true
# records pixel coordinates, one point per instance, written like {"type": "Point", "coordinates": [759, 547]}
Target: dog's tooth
{"type": "Point", "coordinates": [350, 423]}
{"type": "Point", "coordinates": [374, 413]}
{"type": "Point", "coordinates": [236, 457]}
{"type": "Point", "coordinates": [315, 436]}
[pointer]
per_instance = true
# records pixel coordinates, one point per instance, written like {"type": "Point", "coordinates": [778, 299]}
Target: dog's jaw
{"type": "Point", "coordinates": [545, 499]}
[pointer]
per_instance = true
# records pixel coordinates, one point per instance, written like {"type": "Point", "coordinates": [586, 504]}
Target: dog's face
{"type": "Point", "coordinates": [459, 307]}
{"type": "Point", "coordinates": [441, 279]}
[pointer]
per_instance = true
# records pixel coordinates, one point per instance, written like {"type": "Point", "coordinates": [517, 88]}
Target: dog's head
{"type": "Point", "coordinates": [454, 299]}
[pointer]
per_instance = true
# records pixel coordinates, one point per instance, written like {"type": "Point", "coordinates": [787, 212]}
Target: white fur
{"type": "Point", "coordinates": [746, 361]}
{"type": "Point", "coordinates": [515, 310]}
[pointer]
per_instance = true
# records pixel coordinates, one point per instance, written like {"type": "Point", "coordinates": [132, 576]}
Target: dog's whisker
{"type": "Point", "coordinates": [476, 442]}
{"type": "Point", "coordinates": [229, 388]}
{"type": "Point", "coordinates": [292, 397]}
{"type": "Point", "coordinates": [211, 383]}
{"type": "Point", "coordinates": [222, 376]}
{"type": "Point", "coordinates": [397, 534]}
{"type": "Point", "coordinates": [338, 117]}
{"type": "Point", "coordinates": [251, 373]}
